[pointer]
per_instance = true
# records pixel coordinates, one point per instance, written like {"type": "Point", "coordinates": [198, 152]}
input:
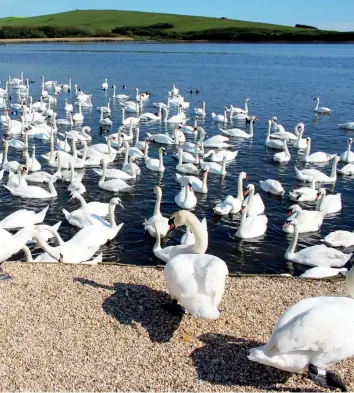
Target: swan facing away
{"type": "Point", "coordinates": [194, 279]}
{"type": "Point", "coordinates": [313, 334]}
{"type": "Point", "coordinates": [272, 186]}
{"type": "Point", "coordinates": [339, 239]}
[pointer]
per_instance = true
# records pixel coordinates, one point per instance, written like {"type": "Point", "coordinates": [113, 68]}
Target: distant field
{"type": "Point", "coordinates": [109, 19]}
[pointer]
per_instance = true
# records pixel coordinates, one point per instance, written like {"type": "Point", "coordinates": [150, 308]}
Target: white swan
{"type": "Point", "coordinates": [68, 107]}
{"type": "Point", "coordinates": [12, 244]}
{"type": "Point", "coordinates": [155, 164]}
{"type": "Point", "coordinates": [328, 203]}
{"type": "Point", "coordinates": [164, 138]}
{"type": "Point", "coordinates": [75, 184]}
{"type": "Point", "coordinates": [273, 143]}
{"type": "Point", "coordinates": [188, 157]}
{"type": "Point", "coordinates": [119, 96]}
{"type": "Point", "coordinates": [23, 218]}
{"type": "Point", "coordinates": [304, 194]}
{"type": "Point", "coordinates": [255, 205]}
{"type": "Point", "coordinates": [238, 133]}
{"type": "Point", "coordinates": [348, 156]}
{"type": "Point", "coordinates": [285, 135]}
{"type": "Point", "coordinates": [251, 226]}
{"type": "Point", "coordinates": [188, 238]}
{"type": "Point", "coordinates": [235, 110]}
{"type": "Point", "coordinates": [323, 271]}
{"type": "Point", "coordinates": [149, 225]}
{"type": "Point", "coordinates": [197, 184]}
{"type": "Point", "coordinates": [307, 220]}
{"type": "Point", "coordinates": [347, 170]}
{"type": "Point", "coordinates": [300, 143]}
{"type": "Point", "coordinates": [319, 156]}
{"type": "Point", "coordinates": [8, 165]}
{"type": "Point", "coordinates": [66, 122]}
{"type": "Point", "coordinates": [113, 185]}
{"type": "Point", "coordinates": [283, 156]}
{"type": "Point", "coordinates": [107, 121]}
{"type": "Point", "coordinates": [308, 174]}
{"type": "Point", "coordinates": [219, 156]}
{"type": "Point", "coordinates": [187, 167]}
{"type": "Point", "coordinates": [114, 173]}
{"type": "Point", "coordinates": [32, 163]}
{"type": "Point", "coordinates": [220, 118]}
{"type": "Point", "coordinates": [319, 255]}
{"type": "Point", "coordinates": [186, 198]}
{"type": "Point", "coordinates": [321, 109]}
{"type": "Point", "coordinates": [347, 126]}
{"type": "Point", "coordinates": [182, 217]}
{"type": "Point", "coordinates": [63, 145]}
{"type": "Point", "coordinates": [313, 334]}
{"type": "Point", "coordinates": [128, 164]}
{"type": "Point", "coordinates": [217, 141]}
{"type": "Point", "coordinates": [339, 239]}
{"type": "Point", "coordinates": [105, 109]}
{"type": "Point", "coordinates": [272, 186]}
{"type": "Point", "coordinates": [201, 111]}
{"type": "Point", "coordinates": [104, 85]}
{"type": "Point", "coordinates": [82, 135]}
{"type": "Point", "coordinates": [78, 116]}
{"type": "Point", "coordinates": [231, 204]}
{"type": "Point", "coordinates": [214, 167]}
{"type": "Point", "coordinates": [129, 120]}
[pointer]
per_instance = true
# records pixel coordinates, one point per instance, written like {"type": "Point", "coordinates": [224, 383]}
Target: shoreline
{"type": "Point", "coordinates": [102, 328]}
{"type": "Point", "coordinates": [8, 41]}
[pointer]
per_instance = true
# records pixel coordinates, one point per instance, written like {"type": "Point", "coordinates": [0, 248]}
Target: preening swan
{"type": "Point", "coordinates": [304, 194]}
{"type": "Point", "coordinates": [272, 186]}
{"type": "Point", "coordinates": [149, 225]}
{"type": "Point", "coordinates": [313, 334]}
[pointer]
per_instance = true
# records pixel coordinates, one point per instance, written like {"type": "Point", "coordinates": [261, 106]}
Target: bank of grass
{"type": "Point", "coordinates": [137, 25]}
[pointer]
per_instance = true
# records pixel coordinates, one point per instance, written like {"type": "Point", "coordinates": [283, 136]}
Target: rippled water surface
{"type": "Point", "coordinates": [281, 80]}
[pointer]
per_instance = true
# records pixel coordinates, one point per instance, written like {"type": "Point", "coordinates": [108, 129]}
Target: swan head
{"type": "Point", "coordinates": [73, 195]}
{"type": "Point", "coordinates": [274, 119]}
{"type": "Point", "coordinates": [116, 201]}
{"type": "Point", "coordinates": [179, 219]}
{"type": "Point", "coordinates": [316, 99]}
{"type": "Point", "coordinates": [249, 188]}
{"type": "Point", "coordinates": [308, 140]}
{"type": "Point", "coordinates": [243, 175]}
{"type": "Point", "coordinates": [162, 150]}
{"type": "Point", "coordinates": [350, 141]}
{"type": "Point", "coordinates": [320, 192]}
{"type": "Point", "coordinates": [293, 211]}
{"type": "Point", "coordinates": [156, 191]}
{"type": "Point", "coordinates": [291, 221]}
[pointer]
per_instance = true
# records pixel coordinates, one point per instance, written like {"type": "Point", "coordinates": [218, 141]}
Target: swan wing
{"type": "Point", "coordinates": [215, 273]}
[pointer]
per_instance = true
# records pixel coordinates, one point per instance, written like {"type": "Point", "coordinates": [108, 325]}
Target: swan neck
{"type": "Point", "coordinates": [240, 188]}
{"type": "Point", "coordinates": [291, 249]}
{"type": "Point", "coordinates": [308, 148]}
{"type": "Point", "coordinates": [157, 211]}
{"type": "Point", "coordinates": [112, 221]}
{"type": "Point", "coordinates": [161, 159]}
{"type": "Point", "coordinates": [201, 239]}
{"type": "Point", "coordinates": [157, 245]}
{"type": "Point", "coordinates": [334, 169]}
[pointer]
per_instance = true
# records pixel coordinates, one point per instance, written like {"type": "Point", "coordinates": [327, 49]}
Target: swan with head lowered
{"type": "Point", "coordinates": [272, 186]}
{"type": "Point", "coordinates": [194, 279]}
{"type": "Point", "coordinates": [312, 335]}
{"type": "Point", "coordinates": [339, 239]}
{"type": "Point", "coordinates": [164, 139]}
{"type": "Point", "coordinates": [197, 184]}
{"type": "Point", "coordinates": [308, 174]}
{"type": "Point", "coordinates": [306, 220]}
{"type": "Point", "coordinates": [149, 225]}
{"type": "Point", "coordinates": [219, 156]}
{"type": "Point", "coordinates": [304, 194]}
{"type": "Point", "coordinates": [319, 255]}
{"type": "Point", "coordinates": [231, 204]}
{"type": "Point", "coordinates": [238, 133]}
{"type": "Point", "coordinates": [318, 156]}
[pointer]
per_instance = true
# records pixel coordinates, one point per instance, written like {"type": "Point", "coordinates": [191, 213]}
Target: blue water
{"type": "Point", "coordinates": [281, 80]}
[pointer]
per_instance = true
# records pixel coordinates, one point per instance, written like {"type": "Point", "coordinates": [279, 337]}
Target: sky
{"type": "Point", "coordinates": [324, 14]}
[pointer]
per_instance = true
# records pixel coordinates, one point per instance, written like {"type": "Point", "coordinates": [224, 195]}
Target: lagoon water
{"type": "Point", "coordinates": [281, 80]}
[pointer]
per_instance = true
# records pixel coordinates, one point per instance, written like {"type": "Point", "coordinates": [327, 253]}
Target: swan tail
{"type": "Point", "coordinates": [222, 208]}
{"type": "Point", "coordinates": [66, 214]}
{"type": "Point", "coordinates": [41, 215]}
{"type": "Point", "coordinates": [178, 177]}
{"type": "Point", "coordinates": [209, 312]}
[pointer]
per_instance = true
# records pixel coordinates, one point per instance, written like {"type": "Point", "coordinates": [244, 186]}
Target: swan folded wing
{"type": "Point", "coordinates": [215, 273]}
{"type": "Point", "coordinates": [325, 328]}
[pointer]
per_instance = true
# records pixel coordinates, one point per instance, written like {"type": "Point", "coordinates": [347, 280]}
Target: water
{"type": "Point", "coordinates": [281, 80]}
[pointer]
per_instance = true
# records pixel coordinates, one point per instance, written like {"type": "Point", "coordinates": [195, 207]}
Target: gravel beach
{"type": "Point", "coordinates": [102, 328]}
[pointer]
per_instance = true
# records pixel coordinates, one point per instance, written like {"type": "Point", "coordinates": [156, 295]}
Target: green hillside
{"type": "Point", "coordinates": [109, 19]}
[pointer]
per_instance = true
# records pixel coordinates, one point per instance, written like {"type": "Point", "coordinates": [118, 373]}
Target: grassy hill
{"type": "Point", "coordinates": [109, 19]}
{"type": "Point", "coordinates": [145, 25]}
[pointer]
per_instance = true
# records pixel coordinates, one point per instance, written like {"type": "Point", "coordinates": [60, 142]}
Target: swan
{"type": "Point", "coordinates": [189, 129]}
{"type": "Point", "coordinates": [347, 126]}
{"type": "Point", "coordinates": [139, 144]}
{"type": "Point", "coordinates": [323, 271]}
{"type": "Point", "coordinates": [63, 145]}
{"type": "Point", "coordinates": [164, 138]}
{"type": "Point", "coordinates": [75, 184]}
{"type": "Point", "coordinates": [197, 184]}
{"type": "Point", "coordinates": [300, 143]}
{"type": "Point", "coordinates": [104, 85]}
{"type": "Point", "coordinates": [66, 87]}
{"type": "Point", "coordinates": [16, 179]}
{"type": "Point", "coordinates": [214, 167]}
{"type": "Point", "coordinates": [282, 134]}
{"type": "Point", "coordinates": [78, 117]}
{"type": "Point", "coordinates": [195, 280]}
{"type": "Point", "coordinates": [200, 111]}
{"type": "Point", "coordinates": [251, 226]}
{"type": "Point", "coordinates": [188, 238]}
{"type": "Point", "coordinates": [188, 157]}
{"type": "Point", "coordinates": [81, 217]}
{"type": "Point", "coordinates": [321, 109]}
{"type": "Point", "coordinates": [347, 170]}
{"type": "Point", "coordinates": [186, 198]}
{"type": "Point", "coordinates": [232, 205]}
{"type": "Point", "coordinates": [235, 110]}
{"type": "Point", "coordinates": [308, 174]}
{"type": "Point", "coordinates": [149, 225]}
{"type": "Point", "coordinates": [339, 239]}
{"type": "Point", "coordinates": [66, 122]}
{"type": "Point", "coordinates": [219, 156]}
{"type": "Point", "coordinates": [190, 146]}
{"type": "Point", "coordinates": [119, 96]}
{"type": "Point", "coordinates": [238, 133]}
{"type": "Point", "coordinates": [66, 158]}
{"type": "Point", "coordinates": [319, 156]}
{"type": "Point", "coordinates": [12, 244]}
{"type": "Point", "coordinates": [105, 121]}
{"type": "Point", "coordinates": [117, 173]}
{"type": "Point", "coordinates": [312, 335]}
{"type": "Point", "coordinates": [272, 186]}
{"type": "Point", "coordinates": [174, 91]}
{"type": "Point", "coordinates": [32, 164]}
{"type": "Point", "coordinates": [114, 185]}
{"type": "Point", "coordinates": [319, 255]}
{"type": "Point", "coordinates": [129, 120]}
{"type": "Point", "coordinates": [273, 143]}
{"type": "Point", "coordinates": [283, 156]}
{"type": "Point", "coordinates": [220, 118]}
{"type": "Point", "coordinates": [255, 205]}
{"type": "Point", "coordinates": [180, 218]}
{"type": "Point", "coordinates": [148, 116]}
{"type": "Point", "coordinates": [217, 141]}
{"type": "Point", "coordinates": [35, 192]}
{"type": "Point", "coordinates": [8, 165]}
{"type": "Point", "coordinates": [42, 176]}
{"type": "Point", "coordinates": [155, 164]}
{"type": "Point", "coordinates": [127, 137]}
{"type": "Point", "coordinates": [328, 203]}
{"type": "Point", "coordinates": [307, 220]}
{"type": "Point", "coordinates": [348, 156]}
{"type": "Point", "coordinates": [105, 109]}
{"type": "Point", "coordinates": [128, 165]}
{"type": "Point", "coordinates": [187, 167]}
{"type": "Point", "coordinates": [23, 218]}
{"type": "Point", "coordinates": [176, 119]}
{"type": "Point", "coordinates": [304, 194]}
